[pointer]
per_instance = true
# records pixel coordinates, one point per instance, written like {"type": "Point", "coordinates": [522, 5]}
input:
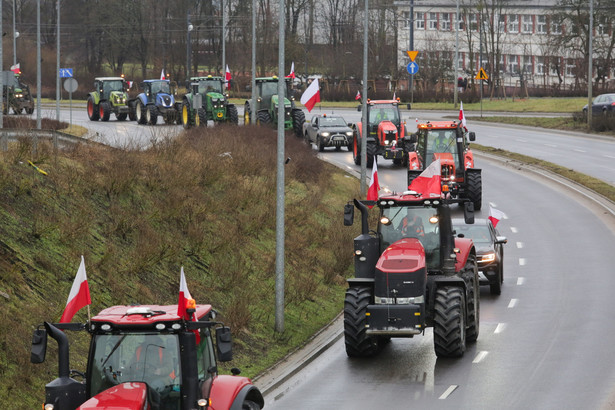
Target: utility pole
{"type": "Point", "coordinates": [223, 40]}
{"type": "Point", "coordinates": [411, 48]}
{"type": "Point", "coordinates": [253, 81]}
{"type": "Point", "coordinates": [456, 91]}
{"type": "Point", "coordinates": [590, 68]}
{"type": "Point", "coordinates": [365, 127]}
{"type": "Point", "coordinates": [58, 66]}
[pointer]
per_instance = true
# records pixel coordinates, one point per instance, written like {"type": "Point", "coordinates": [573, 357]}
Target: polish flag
{"type": "Point", "coordinates": [292, 71]}
{"type": "Point", "coordinates": [15, 68]}
{"type": "Point", "coordinates": [428, 182]}
{"type": "Point", "coordinates": [162, 76]}
{"type": "Point", "coordinates": [374, 186]}
{"type": "Point", "coordinates": [227, 77]}
{"type": "Point", "coordinates": [495, 215]}
{"type": "Point", "coordinates": [462, 116]}
{"type": "Point", "coordinates": [311, 95]}
{"type": "Point", "coordinates": [79, 295]}
{"type": "Point", "coordinates": [394, 97]}
{"type": "Point", "coordinates": [185, 299]}
{"type": "Point", "coordinates": [358, 96]}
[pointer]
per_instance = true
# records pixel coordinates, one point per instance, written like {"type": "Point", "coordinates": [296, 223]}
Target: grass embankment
{"type": "Point", "coordinates": [205, 201]}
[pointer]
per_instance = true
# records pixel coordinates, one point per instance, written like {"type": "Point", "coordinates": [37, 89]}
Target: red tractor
{"type": "Point", "coordinates": [448, 142]}
{"type": "Point", "coordinates": [412, 273]}
{"type": "Point", "coordinates": [386, 136]}
{"type": "Point", "coordinates": [147, 357]}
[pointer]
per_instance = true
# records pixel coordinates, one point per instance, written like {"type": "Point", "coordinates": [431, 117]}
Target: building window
{"type": "Point", "coordinates": [405, 18]}
{"type": "Point", "coordinates": [528, 67]}
{"type": "Point", "coordinates": [433, 21]}
{"type": "Point", "coordinates": [501, 23]}
{"type": "Point", "coordinates": [528, 24]}
{"type": "Point", "coordinates": [445, 22]}
{"type": "Point", "coordinates": [513, 64]}
{"type": "Point", "coordinates": [556, 27]}
{"type": "Point", "coordinates": [460, 22]}
{"type": "Point", "coordinates": [603, 26]}
{"type": "Point", "coordinates": [513, 23]}
{"type": "Point", "coordinates": [541, 24]}
{"type": "Point", "coordinates": [540, 65]}
{"type": "Point", "coordinates": [570, 67]}
{"type": "Point", "coordinates": [472, 22]}
{"type": "Point", "coordinates": [420, 21]}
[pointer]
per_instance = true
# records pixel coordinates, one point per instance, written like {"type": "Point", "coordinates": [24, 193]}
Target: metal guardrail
{"type": "Point", "coordinates": [56, 137]}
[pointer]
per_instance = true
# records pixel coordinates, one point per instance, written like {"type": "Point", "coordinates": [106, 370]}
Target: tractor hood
{"type": "Point", "coordinates": [401, 274]}
{"type": "Point", "coordinates": [127, 396]}
{"type": "Point", "coordinates": [405, 255]}
{"type": "Point", "coordinates": [118, 97]}
{"type": "Point", "coordinates": [164, 100]}
{"type": "Point", "coordinates": [215, 96]}
{"type": "Point", "coordinates": [274, 101]}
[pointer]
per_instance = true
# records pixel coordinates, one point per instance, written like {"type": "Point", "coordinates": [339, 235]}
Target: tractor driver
{"type": "Point", "coordinates": [411, 226]}
{"type": "Point", "coordinates": [443, 141]}
{"type": "Point", "coordinates": [381, 115]}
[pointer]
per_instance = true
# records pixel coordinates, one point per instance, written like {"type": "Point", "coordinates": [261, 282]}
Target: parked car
{"type": "Point", "coordinates": [603, 104]}
{"type": "Point", "coordinates": [489, 250]}
{"type": "Point", "coordinates": [328, 131]}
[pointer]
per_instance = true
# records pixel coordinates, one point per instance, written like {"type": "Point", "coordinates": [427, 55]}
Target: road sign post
{"type": "Point", "coordinates": [482, 75]}
{"type": "Point", "coordinates": [70, 85]}
{"type": "Point", "coordinates": [412, 55]}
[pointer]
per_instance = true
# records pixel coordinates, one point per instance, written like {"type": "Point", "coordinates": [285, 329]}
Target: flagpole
{"type": "Point", "coordinates": [365, 126]}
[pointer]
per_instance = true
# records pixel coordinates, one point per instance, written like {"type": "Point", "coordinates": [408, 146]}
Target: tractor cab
{"type": "Point", "coordinates": [209, 84]}
{"type": "Point", "coordinates": [108, 85]}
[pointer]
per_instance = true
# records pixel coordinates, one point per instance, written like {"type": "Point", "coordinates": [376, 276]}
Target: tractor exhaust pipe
{"type": "Point", "coordinates": [364, 217]}
{"type": "Point", "coordinates": [63, 358]}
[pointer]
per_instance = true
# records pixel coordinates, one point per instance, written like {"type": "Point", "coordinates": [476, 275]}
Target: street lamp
{"type": "Point", "coordinates": [188, 48]}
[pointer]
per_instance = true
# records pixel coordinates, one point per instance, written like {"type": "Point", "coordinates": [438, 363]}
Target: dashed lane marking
{"type": "Point", "coordinates": [513, 229]}
{"type": "Point", "coordinates": [519, 245]}
{"type": "Point", "coordinates": [520, 280]}
{"type": "Point", "coordinates": [448, 392]}
{"type": "Point", "coordinates": [522, 261]}
{"type": "Point", "coordinates": [480, 356]}
{"type": "Point", "coordinates": [499, 328]}
{"type": "Point", "coordinates": [513, 303]}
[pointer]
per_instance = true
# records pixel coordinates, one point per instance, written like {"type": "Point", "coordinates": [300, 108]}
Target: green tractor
{"type": "Point", "coordinates": [109, 96]}
{"type": "Point", "coordinates": [16, 93]}
{"type": "Point", "coordinates": [213, 104]}
{"type": "Point", "coordinates": [266, 109]}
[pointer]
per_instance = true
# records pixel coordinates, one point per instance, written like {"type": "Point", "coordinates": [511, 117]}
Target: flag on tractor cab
{"type": "Point", "coordinates": [185, 299]}
{"type": "Point", "coordinates": [311, 95]}
{"type": "Point", "coordinates": [15, 68]}
{"type": "Point", "coordinates": [428, 181]}
{"type": "Point", "coordinates": [358, 96]}
{"type": "Point", "coordinates": [495, 215]}
{"type": "Point", "coordinates": [462, 116]}
{"type": "Point", "coordinates": [227, 77]}
{"type": "Point", "coordinates": [374, 185]}
{"type": "Point", "coordinates": [292, 71]}
{"type": "Point", "coordinates": [79, 295]}
{"type": "Point", "coordinates": [162, 76]}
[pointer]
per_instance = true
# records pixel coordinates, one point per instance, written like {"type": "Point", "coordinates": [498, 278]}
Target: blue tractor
{"type": "Point", "coordinates": [157, 99]}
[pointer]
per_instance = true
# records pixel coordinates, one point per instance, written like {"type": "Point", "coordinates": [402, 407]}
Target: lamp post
{"type": "Point", "coordinates": [456, 90]}
{"type": "Point", "coordinates": [589, 68]}
{"type": "Point", "coordinates": [188, 46]}
{"type": "Point", "coordinates": [15, 35]}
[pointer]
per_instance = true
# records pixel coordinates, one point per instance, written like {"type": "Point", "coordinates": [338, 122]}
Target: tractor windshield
{"type": "Point", "coordinates": [270, 88]}
{"type": "Point", "coordinates": [113, 85]}
{"type": "Point", "coordinates": [436, 142]}
{"type": "Point", "coordinates": [208, 86]}
{"type": "Point", "coordinates": [383, 112]}
{"type": "Point", "coordinates": [160, 87]}
{"type": "Point", "coordinates": [152, 358]}
{"type": "Point", "coordinates": [413, 222]}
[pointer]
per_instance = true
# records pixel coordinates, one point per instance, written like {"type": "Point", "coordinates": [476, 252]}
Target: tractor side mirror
{"type": "Point", "coordinates": [39, 346]}
{"type": "Point", "coordinates": [472, 136]}
{"type": "Point", "coordinates": [348, 214]}
{"type": "Point", "coordinates": [413, 138]}
{"type": "Point", "coordinates": [359, 107]}
{"type": "Point", "coordinates": [468, 212]}
{"type": "Point", "coordinates": [224, 344]}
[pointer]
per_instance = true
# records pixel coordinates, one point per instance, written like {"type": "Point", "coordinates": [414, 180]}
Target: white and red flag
{"type": "Point", "coordinates": [185, 299]}
{"type": "Point", "coordinates": [227, 77]}
{"type": "Point", "coordinates": [358, 96]}
{"type": "Point", "coordinates": [162, 76]}
{"type": "Point", "coordinates": [374, 185]}
{"type": "Point", "coordinates": [79, 295]}
{"type": "Point", "coordinates": [462, 116]}
{"type": "Point", "coordinates": [428, 181]}
{"type": "Point", "coordinates": [311, 95]}
{"type": "Point", "coordinates": [495, 215]}
{"type": "Point", "coordinates": [15, 68]}
{"type": "Point", "coordinates": [292, 71]}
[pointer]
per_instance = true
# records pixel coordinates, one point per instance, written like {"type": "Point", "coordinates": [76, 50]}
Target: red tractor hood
{"type": "Point", "coordinates": [405, 255]}
{"type": "Point", "coordinates": [125, 396]}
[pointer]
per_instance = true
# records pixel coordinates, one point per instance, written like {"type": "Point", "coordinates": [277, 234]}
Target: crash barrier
{"type": "Point", "coordinates": [56, 137]}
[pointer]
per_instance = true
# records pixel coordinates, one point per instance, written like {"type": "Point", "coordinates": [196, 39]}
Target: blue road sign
{"type": "Point", "coordinates": [66, 72]}
{"type": "Point", "coordinates": [413, 68]}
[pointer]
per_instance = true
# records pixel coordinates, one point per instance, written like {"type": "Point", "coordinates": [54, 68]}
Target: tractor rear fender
{"type": "Point", "coordinates": [466, 248]}
{"type": "Point", "coordinates": [143, 98]}
{"type": "Point", "coordinates": [468, 159]}
{"type": "Point", "coordinates": [95, 97]}
{"type": "Point", "coordinates": [358, 128]}
{"type": "Point", "coordinates": [362, 282]}
{"type": "Point", "coordinates": [226, 390]}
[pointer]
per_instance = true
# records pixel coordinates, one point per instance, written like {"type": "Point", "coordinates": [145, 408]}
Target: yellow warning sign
{"type": "Point", "coordinates": [412, 54]}
{"type": "Point", "coordinates": [482, 75]}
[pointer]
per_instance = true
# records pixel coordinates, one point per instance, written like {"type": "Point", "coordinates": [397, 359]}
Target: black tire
{"type": "Point", "coordinates": [356, 150]}
{"type": "Point", "coordinates": [92, 110]}
{"type": "Point", "coordinates": [233, 116]}
{"type": "Point", "coordinates": [17, 110]}
{"type": "Point", "coordinates": [371, 154]}
{"type": "Point", "coordinates": [132, 111]}
{"type": "Point", "coordinates": [263, 117]}
{"type": "Point", "coordinates": [319, 144]}
{"type": "Point", "coordinates": [122, 116]}
{"type": "Point", "coordinates": [247, 115]}
{"type": "Point", "coordinates": [475, 189]}
{"type": "Point", "coordinates": [140, 111]}
{"type": "Point", "coordinates": [29, 110]}
{"type": "Point", "coordinates": [470, 275]}
{"type": "Point", "coordinates": [495, 287]}
{"type": "Point", "coordinates": [187, 115]}
{"type": "Point", "coordinates": [151, 115]}
{"type": "Point", "coordinates": [250, 405]}
{"type": "Point", "coordinates": [203, 117]}
{"type": "Point", "coordinates": [449, 330]}
{"type": "Point", "coordinates": [298, 120]}
{"type": "Point", "coordinates": [105, 110]}
{"type": "Point", "coordinates": [358, 343]}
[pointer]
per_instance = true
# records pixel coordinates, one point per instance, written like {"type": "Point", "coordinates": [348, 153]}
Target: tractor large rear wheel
{"type": "Point", "coordinates": [475, 189]}
{"type": "Point", "coordinates": [298, 120]}
{"type": "Point", "coordinates": [151, 115]}
{"type": "Point", "coordinates": [233, 117]}
{"type": "Point", "coordinates": [92, 110]}
{"type": "Point", "coordinates": [140, 110]}
{"type": "Point", "coordinates": [247, 117]}
{"type": "Point", "coordinates": [104, 110]}
{"type": "Point", "coordinates": [358, 343]}
{"type": "Point", "coordinates": [187, 115]}
{"type": "Point", "coordinates": [470, 275]}
{"type": "Point", "coordinates": [356, 150]}
{"type": "Point", "coordinates": [372, 148]}
{"type": "Point", "coordinates": [449, 334]}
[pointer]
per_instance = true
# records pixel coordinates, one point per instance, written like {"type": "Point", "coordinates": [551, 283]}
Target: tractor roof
{"type": "Point", "coordinates": [438, 125]}
{"type": "Point", "coordinates": [269, 79]}
{"type": "Point", "coordinates": [109, 78]}
{"type": "Point", "coordinates": [376, 102]}
{"type": "Point", "coordinates": [145, 314]}
{"type": "Point", "coordinates": [408, 198]}
{"type": "Point", "coordinates": [207, 77]}
{"type": "Point", "coordinates": [156, 81]}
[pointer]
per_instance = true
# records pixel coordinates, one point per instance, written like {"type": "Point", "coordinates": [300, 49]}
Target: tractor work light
{"type": "Point", "coordinates": [434, 219]}
{"type": "Point", "coordinates": [160, 326]}
{"type": "Point", "coordinates": [106, 327]}
{"type": "Point", "coordinates": [358, 252]}
{"type": "Point", "coordinates": [385, 221]}
{"type": "Point", "coordinates": [48, 406]}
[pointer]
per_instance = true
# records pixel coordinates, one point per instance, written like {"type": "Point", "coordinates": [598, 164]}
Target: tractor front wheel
{"type": "Point", "coordinates": [475, 189]}
{"type": "Point", "coordinates": [140, 113]}
{"type": "Point", "coordinates": [151, 115]}
{"type": "Point", "coordinates": [233, 116]}
{"type": "Point", "coordinates": [358, 343]}
{"type": "Point", "coordinates": [449, 334]}
{"type": "Point", "coordinates": [298, 120]}
{"type": "Point", "coordinates": [356, 150]}
{"type": "Point", "coordinates": [371, 154]}
{"type": "Point", "coordinates": [186, 115]}
{"type": "Point", "coordinates": [92, 110]}
{"type": "Point", "coordinates": [470, 275]}
{"type": "Point", "coordinates": [104, 110]}
{"type": "Point", "coordinates": [263, 117]}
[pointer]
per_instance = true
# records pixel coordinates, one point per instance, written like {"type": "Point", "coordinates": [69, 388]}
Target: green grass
{"type": "Point", "coordinates": [139, 216]}
{"type": "Point", "coordinates": [559, 123]}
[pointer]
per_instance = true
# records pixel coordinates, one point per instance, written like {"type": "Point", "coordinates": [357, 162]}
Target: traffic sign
{"type": "Point", "coordinates": [70, 85]}
{"type": "Point", "coordinates": [412, 54]}
{"type": "Point", "coordinates": [482, 75]}
{"type": "Point", "coordinates": [413, 68]}
{"type": "Point", "coordinates": [66, 72]}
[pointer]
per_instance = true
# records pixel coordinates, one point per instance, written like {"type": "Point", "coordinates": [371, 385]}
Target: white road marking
{"type": "Point", "coordinates": [499, 328]}
{"type": "Point", "coordinates": [513, 229]}
{"type": "Point", "coordinates": [579, 150]}
{"type": "Point", "coordinates": [550, 145]}
{"type": "Point", "coordinates": [522, 261]}
{"type": "Point", "coordinates": [609, 156]}
{"type": "Point", "coordinates": [448, 392]}
{"type": "Point", "coordinates": [520, 280]}
{"type": "Point", "coordinates": [480, 356]}
{"type": "Point", "coordinates": [519, 245]}
{"type": "Point", "coordinates": [513, 303]}
{"type": "Point", "coordinates": [521, 140]}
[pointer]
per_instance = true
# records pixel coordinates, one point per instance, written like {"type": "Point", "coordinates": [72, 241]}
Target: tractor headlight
{"type": "Point", "coordinates": [324, 134]}
{"type": "Point", "coordinates": [48, 406]}
{"type": "Point", "coordinates": [488, 257]}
